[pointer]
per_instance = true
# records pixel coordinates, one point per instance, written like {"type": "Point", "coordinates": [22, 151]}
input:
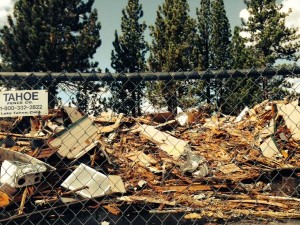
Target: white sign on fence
{"type": "Point", "coordinates": [23, 103]}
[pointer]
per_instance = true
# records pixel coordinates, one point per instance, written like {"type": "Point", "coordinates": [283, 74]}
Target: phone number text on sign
{"type": "Point", "coordinates": [23, 103]}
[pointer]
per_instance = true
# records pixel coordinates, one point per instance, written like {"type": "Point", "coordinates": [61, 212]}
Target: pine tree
{"type": "Point", "coordinates": [173, 49]}
{"type": "Point", "coordinates": [220, 36]}
{"type": "Point", "coordinates": [269, 37]}
{"type": "Point", "coordinates": [214, 44]}
{"type": "Point", "coordinates": [242, 56]}
{"type": "Point", "coordinates": [269, 40]}
{"type": "Point", "coordinates": [241, 92]}
{"type": "Point", "coordinates": [128, 56]}
{"type": "Point", "coordinates": [51, 35]}
{"type": "Point", "coordinates": [204, 26]}
{"type": "Point", "coordinates": [219, 46]}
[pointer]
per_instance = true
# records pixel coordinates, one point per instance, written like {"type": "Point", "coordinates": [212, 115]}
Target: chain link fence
{"type": "Point", "coordinates": [210, 147]}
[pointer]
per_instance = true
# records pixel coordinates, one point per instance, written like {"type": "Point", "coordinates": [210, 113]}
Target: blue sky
{"type": "Point", "coordinates": [110, 12]}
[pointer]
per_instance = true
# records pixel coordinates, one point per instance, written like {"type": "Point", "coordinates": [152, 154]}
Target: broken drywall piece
{"type": "Point", "coordinates": [116, 184]}
{"type": "Point", "coordinates": [76, 140]}
{"type": "Point", "coordinates": [241, 116]}
{"type": "Point", "coordinates": [142, 183]}
{"type": "Point", "coordinates": [188, 117]}
{"type": "Point", "coordinates": [202, 171]}
{"type": "Point", "coordinates": [171, 145]}
{"type": "Point", "coordinates": [72, 113]}
{"type": "Point", "coordinates": [96, 183]}
{"type": "Point", "coordinates": [105, 223]}
{"type": "Point", "coordinates": [18, 174]}
{"type": "Point", "coordinates": [269, 148]}
{"type": "Point", "coordinates": [291, 115]}
{"type": "Point", "coordinates": [52, 128]}
{"type": "Point", "coordinates": [182, 118]}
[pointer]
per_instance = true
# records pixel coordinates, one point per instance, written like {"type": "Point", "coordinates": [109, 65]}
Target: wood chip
{"type": "Point", "coordinates": [112, 209]}
{"type": "Point", "coordinates": [230, 168]}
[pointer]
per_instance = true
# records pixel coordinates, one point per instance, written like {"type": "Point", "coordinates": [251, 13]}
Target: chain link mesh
{"type": "Point", "coordinates": [210, 147]}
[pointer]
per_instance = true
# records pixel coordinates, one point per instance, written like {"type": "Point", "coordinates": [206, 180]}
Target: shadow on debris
{"type": "Point", "coordinates": [78, 215]}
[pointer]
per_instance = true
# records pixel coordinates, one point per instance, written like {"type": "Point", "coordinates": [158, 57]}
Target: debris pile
{"type": "Point", "coordinates": [206, 166]}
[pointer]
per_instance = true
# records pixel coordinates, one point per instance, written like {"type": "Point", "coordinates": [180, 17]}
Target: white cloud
{"type": "Point", "coordinates": [6, 8]}
{"type": "Point", "coordinates": [293, 20]}
{"type": "Point", "coordinates": [244, 15]}
{"type": "Point", "coordinates": [292, 85]}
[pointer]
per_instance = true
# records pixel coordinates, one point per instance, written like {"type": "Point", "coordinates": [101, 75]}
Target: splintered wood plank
{"type": "Point", "coordinates": [42, 153]}
{"type": "Point", "coordinates": [24, 196]}
{"type": "Point", "coordinates": [158, 199]}
{"type": "Point", "coordinates": [195, 187]}
{"type": "Point", "coordinates": [111, 128]}
{"type": "Point", "coordinates": [264, 202]}
{"type": "Point", "coordinates": [266, 214]}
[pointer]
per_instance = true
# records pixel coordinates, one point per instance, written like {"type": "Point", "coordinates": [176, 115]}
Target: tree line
{"type": "Point", "coordinates": [62, 35]}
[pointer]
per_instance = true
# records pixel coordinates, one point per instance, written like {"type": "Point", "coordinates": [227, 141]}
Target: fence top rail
{"type": "Point", "coordinates": [151, 76]}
